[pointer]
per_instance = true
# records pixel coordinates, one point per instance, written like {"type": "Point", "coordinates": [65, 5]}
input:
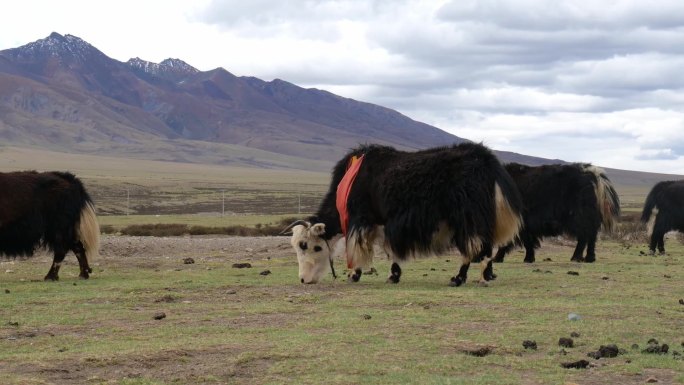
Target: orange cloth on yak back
{"type": "Point", "coordinates": [344, 188]}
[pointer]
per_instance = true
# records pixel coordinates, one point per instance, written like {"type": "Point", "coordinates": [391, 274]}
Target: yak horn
{"type": "Point", "coordinates": [287, 231]}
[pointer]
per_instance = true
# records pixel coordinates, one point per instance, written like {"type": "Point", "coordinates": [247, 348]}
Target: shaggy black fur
{"type": "Point", "coordinates": [560, 199]}
{"type": "Point", "coordinates": [411, 193]}
{"type": "Point", "coordinates": [668, 198]}
{"type": "Point", "coordinates": [42, 210]}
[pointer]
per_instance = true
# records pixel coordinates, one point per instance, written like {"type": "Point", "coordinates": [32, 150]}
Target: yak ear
{"type": "Point", "coordinates": [318, 229]}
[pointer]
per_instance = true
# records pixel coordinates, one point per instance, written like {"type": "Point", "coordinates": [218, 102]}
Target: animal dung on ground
{"type": "Point", "coordinates": [566, 342]}
{"type": "Point", "coordinates": [573, 272]}
{"type": "Point", "coordinates": [681, 300]}
{"type": "Point", "coordinates": [160, 315]}
{"type": "Point", "coordinates": [574, 335]}
{"type": "Point", "coordinates": [605, 351]}
{"type": "Point", "coordinates": [581, 364]}
{"type": "Point", "coordinates": [242, 265]}
{"type": "Point", "coordinates": [479, 352]}
{"type": "Point", "coordinates": [7, 291]}
{"type": "Point", "coordinates": [655, 348]}
{"type": "Point", "coordinates": [367, 316]}
{"type": "Point", "coordinates": [188, 261]}
{"type": "Point", "coordinates": [529, 344]}
{"type": "Point", "coordinates": [265, 272]}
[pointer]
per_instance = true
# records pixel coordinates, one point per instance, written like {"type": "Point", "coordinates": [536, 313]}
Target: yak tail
{"type": "Point", "coordinates": [89, 231]}
{"type": "Point", "coordinates": [508, 209]}
{"type": "Point", "coordinates": [606, 197]}
{"type": "Point", "coordinates": [651, 200]}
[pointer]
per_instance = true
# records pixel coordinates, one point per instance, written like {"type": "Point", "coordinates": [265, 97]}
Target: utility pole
{"type": "Point", "coordinates": [223, 202]}
{"type": "Point", "coordinates": [128, 201]}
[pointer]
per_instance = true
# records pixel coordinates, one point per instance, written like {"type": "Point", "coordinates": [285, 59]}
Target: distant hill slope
{"type": "Point", "coordinates": [62, 93]}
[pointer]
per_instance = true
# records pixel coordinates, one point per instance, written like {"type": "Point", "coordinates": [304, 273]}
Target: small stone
{"type": "Point", "coordinates": [231, 291]}
{"type": "Point", "coordinates": [265, 272]}
{"type": "Point", "coordinates": [566, 342]}
{"type": "Point", "coordinates": [367, 316]}
{"type": "Point", "coordinates": [243, 265]}
{"type": "Point", "coordinates": [160, 315]}
{"type": "Point", "coordinates": [651, 380]}
{"type": "Point", "coordinates": [529, 344]}
{"type": "Point", "coordinates": [574, 335]}
{"type": "Point", "coordinates": [188, 261]}
{"type": "Point", "coordinates": [8, 271]}
{"type": "Point", "coordinates": [574, 317]}
{"type": "Point", "coordinates": [573, 272]}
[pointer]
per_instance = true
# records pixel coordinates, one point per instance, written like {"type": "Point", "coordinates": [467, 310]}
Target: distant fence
{"type": "Point", "coordinates": [203, 201]}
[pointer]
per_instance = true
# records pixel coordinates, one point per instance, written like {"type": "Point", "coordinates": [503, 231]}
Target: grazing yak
{"type": "Point", "coordinates": [413, 203]}
{"type": "Point", "coordinates": [664, 211]}
{"type": "Point", "coordinates": [572, 199]}
{"type": "Point", "coordinates": [51, 210]}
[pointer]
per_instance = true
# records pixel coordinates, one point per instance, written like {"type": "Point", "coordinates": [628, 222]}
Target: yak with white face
{"type": "Point", "coordinates": [413, 204]}
{"type": "Point", "coordinates": [313, 251]}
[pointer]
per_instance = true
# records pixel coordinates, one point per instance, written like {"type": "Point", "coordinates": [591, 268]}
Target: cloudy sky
{"type": "Point", "coordinates": [583, 80]}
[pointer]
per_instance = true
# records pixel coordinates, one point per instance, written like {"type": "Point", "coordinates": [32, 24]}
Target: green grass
{"type": "Point", "coordinates": [274, 330]}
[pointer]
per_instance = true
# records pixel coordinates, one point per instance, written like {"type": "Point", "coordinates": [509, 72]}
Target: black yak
{"type": "Point", "coordinates": [664, 211]}
{"type": "Point", "coordinates": [571, 199]}
{"type": "Point", "coordinates": [414, 204]}
{"type": "Point", "coordinates": [51, 210]}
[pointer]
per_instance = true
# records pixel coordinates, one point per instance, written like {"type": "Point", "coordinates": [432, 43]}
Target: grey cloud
{"type": "Point", "coordinates": [554, 15]}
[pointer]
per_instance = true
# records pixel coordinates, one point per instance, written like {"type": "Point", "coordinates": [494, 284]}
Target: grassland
{"type": "Point", "coordinates": [235, 326]}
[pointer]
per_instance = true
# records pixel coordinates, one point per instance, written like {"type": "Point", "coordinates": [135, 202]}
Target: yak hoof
{"type": "Point", "coordinates": [528, 260]}
{"type": "Point", "coordinates": [51, 277]}
{"type": "Point", "coordinates": [456, 281]}
{"type": "Point", "coordinates": [491, 277]}
{"type": "Point", "coordinates": [90, 270]}
{"type": "Point", "coordinates": [589, 260]}
{"type": "Point", "coordinates": [393, 279]}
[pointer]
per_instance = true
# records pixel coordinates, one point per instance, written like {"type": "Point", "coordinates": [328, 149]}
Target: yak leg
{"type": "Point", "coordinates": [529, 250]}
{"type": "Point", "coordinates": [591, 249]}
{"type": "Point", "coordinates": [658, 236]}
{"type": "Point", "coordinates": [53, 274]}
{"type": "Point", "coordinates": [395, 273]}
{"type": "Point", "coordinates": [485, 259]}
{"type": "Point", "coordinates": [462, 275]}
{"type": "Point", "coordinates": [501, 253]}
{"type": "Point", "coordinates": [579, 250]}
{"type": "Point", "coordinates": [79, 250]}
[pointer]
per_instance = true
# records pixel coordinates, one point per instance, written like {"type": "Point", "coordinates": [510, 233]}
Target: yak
{"type": "Point", "coordinates": [572, 199]}
{"type": "Point", "coordinates": [664, 211]}
{"type": "Point", "coordinates": [413, 203]}
{"type": "Point", "coordinates": [51, 210]}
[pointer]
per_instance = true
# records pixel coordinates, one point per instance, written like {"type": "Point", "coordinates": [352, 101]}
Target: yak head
{"type": "Point", "coordinates": [314, 252]}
